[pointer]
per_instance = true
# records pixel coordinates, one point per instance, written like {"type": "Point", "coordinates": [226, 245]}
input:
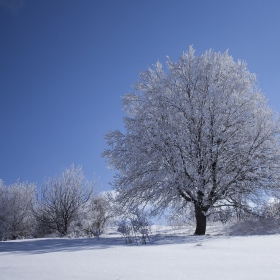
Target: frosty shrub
{"type": "Point", "coordinates": [97, 213]}
{"type": "Point", "coordinates": [199, 132]}
{"type": "Point", "coordinates": [135, 225]}
{"type": "Point", "coordinates": [16, 216]}
{"type": "Point", "coordinates": [141, 225]}
{"type": "Point", "coordinates": [125, 228]}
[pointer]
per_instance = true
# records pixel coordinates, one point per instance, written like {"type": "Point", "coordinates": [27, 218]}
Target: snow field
{"type": "Point", "coordinates": [171, 255]}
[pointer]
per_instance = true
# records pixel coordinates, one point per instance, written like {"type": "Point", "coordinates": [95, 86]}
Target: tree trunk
{"type": "Point", "coordinates": [200, 220]}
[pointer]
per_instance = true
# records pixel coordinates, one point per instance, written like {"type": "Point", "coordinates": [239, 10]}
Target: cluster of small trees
{"type": "Point", "coordinates": [62, 206]}
{"type": "Point", "coordinates": [65, 206]}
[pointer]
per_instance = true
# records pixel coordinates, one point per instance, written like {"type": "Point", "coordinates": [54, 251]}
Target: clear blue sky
{"type": "Point", "coordinates": [64, 65]}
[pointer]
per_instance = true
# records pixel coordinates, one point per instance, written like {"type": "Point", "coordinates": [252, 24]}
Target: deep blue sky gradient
{"type": "Point", "coordinates": [64, 65]}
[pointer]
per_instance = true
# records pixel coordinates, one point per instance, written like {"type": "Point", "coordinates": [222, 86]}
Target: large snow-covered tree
{"type": "Point", "coordinates": [200, 132]}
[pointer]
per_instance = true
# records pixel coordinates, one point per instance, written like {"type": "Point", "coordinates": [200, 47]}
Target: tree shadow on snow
{"type": "Point", "coordinates": [50, 245]}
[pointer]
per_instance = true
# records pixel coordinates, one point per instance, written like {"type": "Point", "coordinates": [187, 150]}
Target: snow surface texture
{"type": "Point", "coordinates": [172, 254]}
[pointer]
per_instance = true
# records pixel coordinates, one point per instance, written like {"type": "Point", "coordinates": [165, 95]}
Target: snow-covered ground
{"type": "Point", "coordinates": [172, 254]}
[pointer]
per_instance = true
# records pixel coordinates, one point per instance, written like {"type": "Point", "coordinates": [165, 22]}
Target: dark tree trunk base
{"type": "Point", "coordinates": [200, 221]}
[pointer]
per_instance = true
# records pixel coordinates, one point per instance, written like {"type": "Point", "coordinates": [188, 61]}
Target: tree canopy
{"type": "Point", "coordinates": [200, 132]}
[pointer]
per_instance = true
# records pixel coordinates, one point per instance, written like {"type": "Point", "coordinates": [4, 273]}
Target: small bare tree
{"type": "Point", "coordinates": [126, 229]}
{"type": "Point", "coordinates": [141, 225]}
{"type": "Point", "coordinates": [135, 222]}
{"type": "Point", "coordinates": [97, 213]}
{"type": "Point", "coordinates": [61, 199]}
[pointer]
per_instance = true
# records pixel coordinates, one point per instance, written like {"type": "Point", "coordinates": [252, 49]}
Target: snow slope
{"type": "Point", "coordinates": [172, 254]}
